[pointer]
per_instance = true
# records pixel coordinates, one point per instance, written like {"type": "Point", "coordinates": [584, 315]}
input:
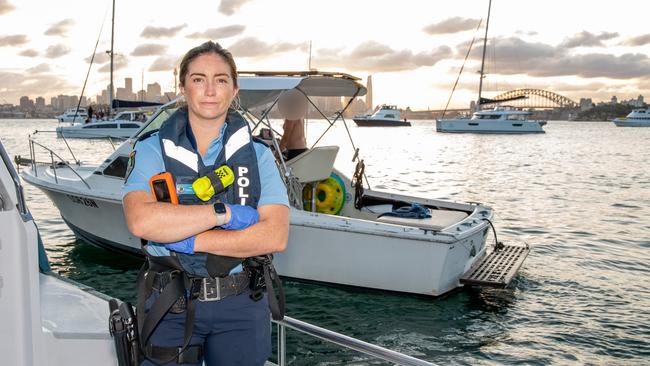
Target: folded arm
{"type": "Point", "coordinates": [164, 222]}
{"type": "Point", "coordinates": [269, 235]}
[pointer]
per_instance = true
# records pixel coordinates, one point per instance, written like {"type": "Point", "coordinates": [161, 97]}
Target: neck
{"type": "Point", "coordinates": [205, 131]}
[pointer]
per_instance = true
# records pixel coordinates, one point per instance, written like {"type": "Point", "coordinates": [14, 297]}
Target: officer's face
{"type": "Point", "coordinates": [208, 88]}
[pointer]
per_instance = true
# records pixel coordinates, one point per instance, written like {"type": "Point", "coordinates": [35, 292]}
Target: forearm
{"type": "Point", "coordinates": [269, 235]}
{"type": "Point", "coordinates": [165, 222]}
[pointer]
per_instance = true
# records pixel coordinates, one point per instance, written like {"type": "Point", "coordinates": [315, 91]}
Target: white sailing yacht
{"type": "Point", "coordinates": [501, 119]}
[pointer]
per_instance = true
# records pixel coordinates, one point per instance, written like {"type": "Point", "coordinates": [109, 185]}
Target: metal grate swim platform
{"type": "Point", "coordinates": [498, 268]}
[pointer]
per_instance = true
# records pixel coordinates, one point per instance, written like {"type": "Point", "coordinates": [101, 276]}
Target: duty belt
{"type": "Point", "coordinates": [211, 289]}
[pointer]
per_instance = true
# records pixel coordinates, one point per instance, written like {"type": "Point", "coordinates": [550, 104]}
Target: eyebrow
{"type": "Point", "coordinates": [202, 74]}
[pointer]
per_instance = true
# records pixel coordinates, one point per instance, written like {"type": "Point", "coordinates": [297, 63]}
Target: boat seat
{"type": "Point", "coordinates": [314, 165]}
{"type": "Point", "coordinates": [439, 220]}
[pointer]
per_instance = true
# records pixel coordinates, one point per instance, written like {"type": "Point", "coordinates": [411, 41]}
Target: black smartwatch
{"type": "Point", "coordinates": [220, 211]}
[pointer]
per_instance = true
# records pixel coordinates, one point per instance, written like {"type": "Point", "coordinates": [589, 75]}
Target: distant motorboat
{"type": "Point", "coordinates": [387, 115]}
{"type": "Point", "coordinates": [123, 126]}
{"type": "Point", "coordinates": [636, 118]}
{"type": "Point", "coordinates": [497, 120]}
{"type": "Point", "coordinates": [73, 115]}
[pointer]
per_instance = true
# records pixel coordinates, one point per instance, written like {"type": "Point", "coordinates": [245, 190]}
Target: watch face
{"type": "Point", "coordinates": [220, 208]}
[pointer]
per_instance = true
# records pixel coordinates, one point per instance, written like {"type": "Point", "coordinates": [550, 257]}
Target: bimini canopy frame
{"type": "Point", "coordinates": [264, 88]}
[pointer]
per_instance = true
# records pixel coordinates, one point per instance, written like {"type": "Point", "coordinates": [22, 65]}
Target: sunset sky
{"type": "Point", "coordinates": [413, 49]}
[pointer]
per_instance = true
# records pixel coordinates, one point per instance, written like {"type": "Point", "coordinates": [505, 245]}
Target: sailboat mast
{"type": "Point", "coordinates": [110, 102]}
{"type": "Point", "coordinates": [480, 83]}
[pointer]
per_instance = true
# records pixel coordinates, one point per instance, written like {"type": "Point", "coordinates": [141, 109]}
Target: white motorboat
{"type": "Point", "coordinates": [50, 320]}
{"type": "Point", "coordinates": [387, 115]}
{"type": "Point", "coordinates": [636, 118]}
{"type": "Point", "coordinates": [74, 115]}
{"type": "Point", "coordinates": [123, 126]}
{"type": "Point", "coordinates": [497, 120]}
{"type": "Point", "coordinates": [352, 225]}
{"type": "Point", "coordinates": [46, 320]}
{"type": "Point", "coordinates": [500, 120]}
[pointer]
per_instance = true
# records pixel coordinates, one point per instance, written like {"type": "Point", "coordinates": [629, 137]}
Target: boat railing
{"type": "Point", "coordinates": [344, 341]}
{"type": "Point", "coordinates": [32, 160]}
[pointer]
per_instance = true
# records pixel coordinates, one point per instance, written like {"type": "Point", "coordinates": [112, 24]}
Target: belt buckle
{"type": "Point", "coordinates": [213, 291]}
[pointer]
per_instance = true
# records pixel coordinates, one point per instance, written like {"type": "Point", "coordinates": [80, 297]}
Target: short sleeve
{"type": "Point", "coordinates": [147, 163]}
{"type": "Point", "coordinates": [273, 190]}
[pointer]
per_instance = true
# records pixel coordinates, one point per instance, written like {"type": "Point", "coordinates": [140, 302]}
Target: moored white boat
{"type": "Point", "coordinates": [422, 256]}
{"type": "Point", "coordinates": [636, 118]}
{"type": "Point", "coordinates": [497, 120]}
{"type": "Point", "coordinates": [501, 119]}
{"type": "Point", "coordinates": [73, 115]}
{"type": "Point", "coordinates": [123, 126]}
{"type": "Point", "coordinates": [387, 115]}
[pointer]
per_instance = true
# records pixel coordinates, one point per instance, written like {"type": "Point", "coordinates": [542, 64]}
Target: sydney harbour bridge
{"type": "Point", "coordinates": [535, 99]}
{"type": "Point", "coordinates": [542, 101]}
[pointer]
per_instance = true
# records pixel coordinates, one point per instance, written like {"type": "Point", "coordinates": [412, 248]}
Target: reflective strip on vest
{"type": "Point", "coordinates": [181, 154]}
{"type": "Point", "coordinates": [238, 140]}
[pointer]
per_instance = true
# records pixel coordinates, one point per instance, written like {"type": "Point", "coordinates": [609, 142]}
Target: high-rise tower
{"type": "Point", "coordinates": [369, 105]}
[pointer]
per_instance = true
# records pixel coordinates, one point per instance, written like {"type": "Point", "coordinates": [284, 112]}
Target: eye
{"type": "Point", "coordinates": [222, 81]}
{"type": "Point", "coordinates": [197, 80]}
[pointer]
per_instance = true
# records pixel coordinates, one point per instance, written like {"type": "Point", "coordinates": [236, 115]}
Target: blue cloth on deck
{"type": "Point", "coordinates": [414, 211]}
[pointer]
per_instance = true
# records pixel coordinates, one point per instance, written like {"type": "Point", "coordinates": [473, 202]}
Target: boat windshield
{"type": "Point", "coordinates": [157, 121]}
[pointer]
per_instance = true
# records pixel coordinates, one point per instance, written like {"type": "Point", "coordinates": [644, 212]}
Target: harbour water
{"type": "Point", "coordinates": [579, 195]}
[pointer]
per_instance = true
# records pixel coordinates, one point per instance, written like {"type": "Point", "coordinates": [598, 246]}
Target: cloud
{"type": "Point", "coordinates": [100, 58]}
{"type": "Point", "coordinates": [451, 25]}
{"type": "Point", "coordinates": [14, 40]}
{"type": "Point", "coordinates": [60, 28]}
{"type": "Point", "coordinates": [56, 51]}
{"type": "Point", "coordinates": [228, 7]}
{"type": "Point", "coordinates": [253, 47]}
{"type": "Point", "coordinates": [219, 33]}
{"type": "Point", "coordinates": [119, 62]}
{"type": "Point", "coordinates": [149, 49]}
{"type": "Point", "coordinates": [5, 7]}
{"type": "Point", "coordinates": [375, 57]}
{"type": "Point", "coordinates": [165, 63]}
{"type": "Point", "coordinates": [515, 56]}
{"type": "Point", "coordinates": [638, 40]}
{"type": "Point", "coordinates": [39, 69]}
{"type": "Point", "coordinates": [586, 39]}
{"type": "Point", "coordinates": [526, 33]}
{"type": "Point", "coordinates": [161, 32]}
{"type": "Point", "coordinates": [15, 85]}
{"type": "Point", "coordinates": [29, 53]}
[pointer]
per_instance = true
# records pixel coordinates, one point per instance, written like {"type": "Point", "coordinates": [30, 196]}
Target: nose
{"type": "Point", "coordinates": [210, 88]}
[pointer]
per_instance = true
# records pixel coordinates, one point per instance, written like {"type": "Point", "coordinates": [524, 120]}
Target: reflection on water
{"type": "Point", "coordinates": [579, 195]}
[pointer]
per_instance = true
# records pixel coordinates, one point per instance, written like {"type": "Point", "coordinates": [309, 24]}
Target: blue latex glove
{"type": "Point", "coordinates": [184, 246]}
{"type": "Point", "coordinates": [241, 217]}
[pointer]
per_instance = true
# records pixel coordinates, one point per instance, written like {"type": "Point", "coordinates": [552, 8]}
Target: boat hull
{"type": "Point", "coordinates": [359, 259]}
{"type": "Point", "coordinates": [466, 125]}
{"type": "Point", "coordinates": [629, 123]}
{"type": "Point", "coordinates": [376, 122]}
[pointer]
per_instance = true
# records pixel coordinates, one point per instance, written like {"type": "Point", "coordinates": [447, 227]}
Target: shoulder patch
{"type": "Point", "coordinates": [129, 168]}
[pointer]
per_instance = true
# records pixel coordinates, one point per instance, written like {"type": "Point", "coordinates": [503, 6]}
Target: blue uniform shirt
{"type": "Point", "coordinates": [149, 162]}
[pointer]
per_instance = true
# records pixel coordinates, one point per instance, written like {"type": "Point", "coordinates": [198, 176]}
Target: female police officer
{"type": "Point", "coordinates": [232, 328]}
